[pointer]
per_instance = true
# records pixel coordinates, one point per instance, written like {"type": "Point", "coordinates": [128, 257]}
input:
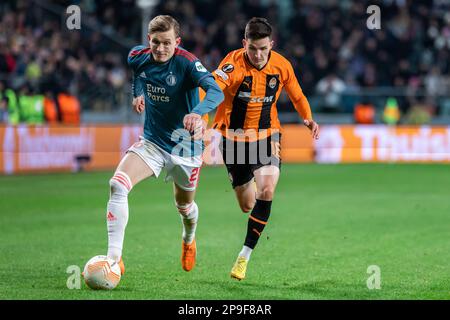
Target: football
{"type": "Point", "coordinates": [101, 272]}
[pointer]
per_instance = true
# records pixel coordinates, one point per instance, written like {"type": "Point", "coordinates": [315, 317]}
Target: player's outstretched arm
{"type": "Point", "coordinates": [214, 96]}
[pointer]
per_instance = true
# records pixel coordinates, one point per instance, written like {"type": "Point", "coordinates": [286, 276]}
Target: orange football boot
{"type": "Point", "coordinates": [188, 255]}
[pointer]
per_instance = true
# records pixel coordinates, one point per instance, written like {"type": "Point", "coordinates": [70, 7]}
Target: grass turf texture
{"type": "Point", "coordinates": [328, 224]}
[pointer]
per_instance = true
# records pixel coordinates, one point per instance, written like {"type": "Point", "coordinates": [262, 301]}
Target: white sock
{"type": "Point", "coordinates": [117, 214]}
{"type": "Point", "coordinates": [245, 252]}
{"type": "Point", "coordinates": [189, 221]}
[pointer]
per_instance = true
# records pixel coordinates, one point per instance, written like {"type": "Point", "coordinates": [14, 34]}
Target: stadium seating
{"type": "Point", "coordinates": [320, 40]}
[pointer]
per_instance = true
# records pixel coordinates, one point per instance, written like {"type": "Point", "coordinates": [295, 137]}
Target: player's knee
{"type": "Point", "coordinates": [266, 193]}
{"type": "Point", "coordinates": [247, 205]}
{"type": "Point", "coordinates": [184, 208]}
{"type": "Point", "coordinates": [120, 184]}
{"type": "Point", "coordinates": [246, 208]}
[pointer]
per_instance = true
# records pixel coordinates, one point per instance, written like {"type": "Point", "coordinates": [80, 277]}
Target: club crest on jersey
{"type": "Point", "coordinates": [228, 68]}
{"type": "Point", "coordinates": [171, 80]}
{"type": "Point", "coordinates": [272, 83]}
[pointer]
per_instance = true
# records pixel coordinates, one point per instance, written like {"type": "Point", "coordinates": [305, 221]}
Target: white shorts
{"type": "Point", "coordinates": [183, 171]}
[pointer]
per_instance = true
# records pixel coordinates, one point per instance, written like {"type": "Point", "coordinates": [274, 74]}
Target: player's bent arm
{"type": "Point", "coordinates": [137, 56]}
{"type": "Point", "coordinates": [136, 87]}
{"type": "Point", "coordinates": [138, 94]}
{"type": "Point", "coordinates": [214, 96]}
{"type": "Point", "coordinates": [222, 85]}
{"type": "Point", "coordinates": [300, 102]}
{"type": "Point", "coordinates": [295, 93]}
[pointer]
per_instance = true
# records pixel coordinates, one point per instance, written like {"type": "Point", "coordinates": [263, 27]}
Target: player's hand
{"type": "Point", "coordinates": [138, 104]}
{"type": "Point", "coordinates": [192, 121]}
{"type": "Point", "coordinates": [313, 126]}
{"type": "Point", "coordinates": [200, 130]}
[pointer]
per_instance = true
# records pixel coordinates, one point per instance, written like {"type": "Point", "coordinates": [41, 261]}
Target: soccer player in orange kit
{"type": "Point", "coordinates": [251, 79]}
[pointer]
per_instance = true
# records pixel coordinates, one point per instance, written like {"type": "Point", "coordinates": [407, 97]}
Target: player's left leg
{"type": "Point", "coordinates": [131, 170]}
{"type": "Point", "coordinates": [266, 179]}
{"type": "Point", "coordinates": [185, 180]}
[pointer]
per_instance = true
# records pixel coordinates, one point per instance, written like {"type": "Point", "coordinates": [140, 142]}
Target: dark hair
{"type": "Point", "coordinates": [258, 28]}
{"type": "Point", "coordinates": [163, 23]}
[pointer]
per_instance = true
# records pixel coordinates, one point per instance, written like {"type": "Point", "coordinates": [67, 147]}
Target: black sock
{"type": "Point", "coordinates": [257, 221]}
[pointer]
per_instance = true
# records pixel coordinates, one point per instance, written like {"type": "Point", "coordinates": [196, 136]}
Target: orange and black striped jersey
{"type": "Point", "coordinates": [251, 94]}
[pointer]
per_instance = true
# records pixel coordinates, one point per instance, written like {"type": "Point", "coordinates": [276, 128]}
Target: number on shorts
{"type": "Point", "coordinates": [194, 175]}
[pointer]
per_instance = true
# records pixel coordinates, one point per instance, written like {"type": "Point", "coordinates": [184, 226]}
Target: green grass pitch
{"type": "Point", "coordinates": [329, 223]}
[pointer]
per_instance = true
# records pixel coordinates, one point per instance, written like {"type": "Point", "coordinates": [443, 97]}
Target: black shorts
{"type": "Point", "coordinates": [243, 158]}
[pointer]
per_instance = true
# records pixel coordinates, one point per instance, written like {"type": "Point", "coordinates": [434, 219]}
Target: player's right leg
{"type": "Point", "coordinates": [246, 195]}
{"type": "Point", "coordinates": [266, 178]}
{"type": "Point", "coordinates": [185, 180]}
{"type": "Point", "coordinates": [240, 174]}
{"type": "Point", "coordinates": [130, 171]}
{"type": "Point", "coordinates": [188, 209]}
{"type": "Point", "coordinates": [245, 189]}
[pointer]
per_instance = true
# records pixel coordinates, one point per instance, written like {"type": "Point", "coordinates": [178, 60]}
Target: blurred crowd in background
{"type": "Point", "coordinates": [402, 69]}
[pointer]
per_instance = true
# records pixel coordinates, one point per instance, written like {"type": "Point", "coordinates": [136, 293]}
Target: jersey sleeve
{"type": "Point", "coordinates": [138, 56]}
{"type": "Point", "coordinates": [198, 72]}
{"type": "Point", "coordinates": [202, 95]}
{"type": "Point", "coordinates": [136, 86]}
{"type": "Point", "coordinates": [295, 93]}
{"type": "Point", "coordinates": [202, 78]}
{"type": "Point", "coordinates": [224, 73]}
{"type": "Point", "coordinates": [213, 96]}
